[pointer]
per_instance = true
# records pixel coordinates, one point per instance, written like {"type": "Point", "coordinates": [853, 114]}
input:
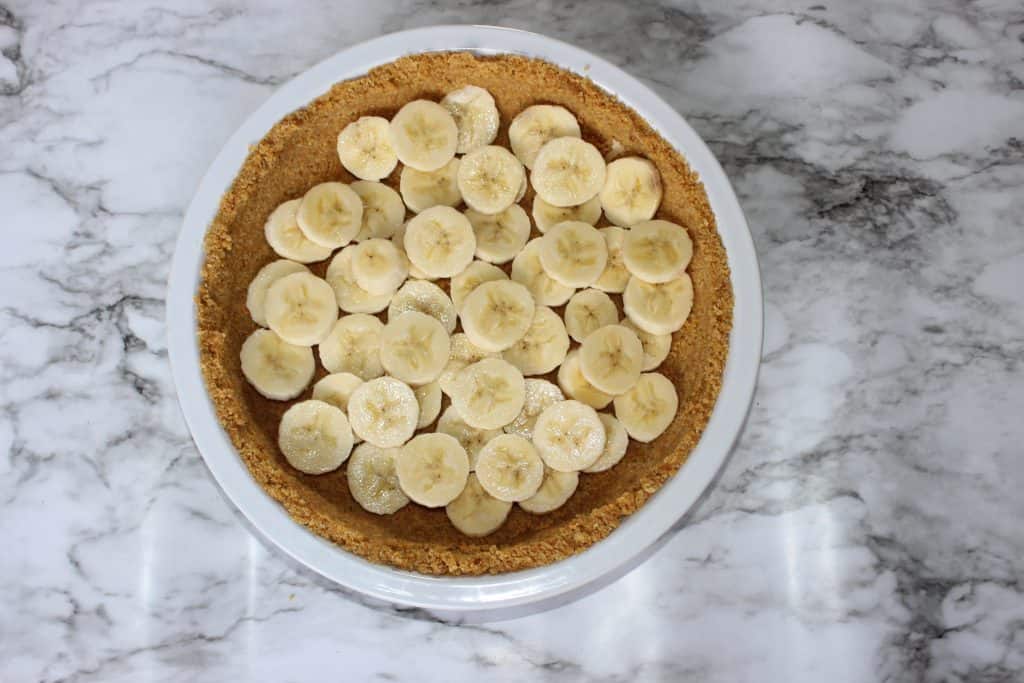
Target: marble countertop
{"type": "Point", "coordinates": [869, 525]}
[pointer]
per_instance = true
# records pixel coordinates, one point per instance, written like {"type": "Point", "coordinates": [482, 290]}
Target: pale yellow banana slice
{"type": "Point", "coordinates": [414, 348]}
{"type": "Point", "coordinates": [611, 359]}
{"type": "Point", "coordinates": [284, 236]}
{"type": "Point", "coordinates": [314, 437]}
{"type": "Point", "coordinates": [378, 266]}
{"type": "Point", "coordinates": [256, 295]}
{"type": "Point", "coordinates": [489, 394]}
{"type": "Point", "coordinates": [424, 297]}
{"type": "Point", "coordinates": [568, 172]}
{"type": "Point", "coordinates": [555, 490]}
{"type": "Point", "coordinates": [573, 253]}
{"type": "Point", "coordinates": [475, 274]}
{"type": "Point", "coordinates": [616, 441]}
{"type": "Point", "coordinates": [500, 236]}
{"type": "Point", "coordinates": [497, 314]}
{"type": "Point", "coordinates": [463, 352]}
{"type": "Point", "coordinates": [509, 468]}
{"type": "Point", "coordinates": [543, 347]}
{"type": "Point", "coordinates": [657, 251]}
{"type": "Point", "coordinates": [475, 114]}
{"type": "Point", "coordinates": [424, 189]}
{"type": "Point", "coordinates": [545, 215]}
{"type": "Point", "coordinates": [364, 148]}
{"type": "Point", "coordinates": [471, 438]}
{"type": "Point", "coordinates": [351, 297]}
{"type": "Point", "coordinates": [475, 512]}
{"type": "Point", "coordinates": [631, 192]}
{"type": "Point", "coordinates": [373, 480]}
{"type": "Point", "coordinates": [489, 179]}
{"type": "Point", "coordinates": [528, 271]}
{"type": "Point", "coordinates": [330, 214]}
{"type": "Point", "coordinates": [535, 126]}
{"type": "Point", "coordinates": [661, 308]}
{"type": "Point", "coordinates": [384, 411]}
{"type": "Point", "coordinates": [656, 346]}
{"type": "Point", "coordinates": [615, 275]}
{"type": "Point", "coordinates": [336, 389]}
{"type": "Point", "coordinates": [569, 436]}
{"type": "Point", "coordinates": [539, 394]}
{"type": "Point", "coordinates": [424, 135]}
{"type": "Point", "coordinates": [432, 469]}
{"type": "Point", "coordinates": [588, 310]}
{"type": "Point", "coordinates": [576, 386]}
{"type": "Point", "coordinates": [353, 346]}
{"type": "Point", "coordinates": [383, 210]}
{"type": "Point", "coordinates": [648, 408]}
{"type": "Point", "coordinates": [276, 369]}
{"type": "Point", "coordinates": [301, 308]}
{"type": "Point", "coordinates": [429, 398]}
{"type": "Point", "coordinates": [440, 241]}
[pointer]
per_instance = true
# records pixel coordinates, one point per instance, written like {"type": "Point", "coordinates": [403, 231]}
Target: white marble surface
{"type": "Point", "coordinates": [868, 526]}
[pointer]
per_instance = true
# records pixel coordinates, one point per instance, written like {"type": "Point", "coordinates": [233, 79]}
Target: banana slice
{"type": "Point", "coordinates": [429, 398]}
{"type": "Point", "coordinates": [568, 172]}
{"type": "Point", "coordinates": [475, 274]}
{"type": "Point", "coordinates": [256, 295]}
{"type": "Point", "coordinates": [373, 481]}
{"type": "Point", "coordinates": [543, 347]}
{"type": "Point", "coordinates": [378, 266]}
{"type": "Point", "coordinates": [471, 438]}
{"type": "Point", "coordinates": [658, 309]}
{"type": "Point", "coordinates": [384, 411]}
{"type": "Point", "coordinates": [476, 117]}
{"type": "Point", "coordinates": [576, 386]}
{"type": "Point", "coordinates": [656, 346]}
{"type": "Point", "coordinates": [414, 348]}
{"type": "Point", "coordinates": [330, 214]}
{"type": "Point", "coordinates": [351, 297]}
{"type": "Point", "coordinates": [611, 359]}
{"type": "Point", "coordinates": [535, 126]}
{"type": "Point", "coordinates": [616, 441]}
{"type": "Point", "coordinates": [528, 271]}
{"type": "Point", "coordinates": [383, 210]}
{"type": "Point", "coordinates": [336, 389]}
{"type": "Point", "coordinates": [424, 297]}
{"type": "Point", "coordinates": [546, 216]}
{"type": "Point", "coordinates": [301, 308]}
{"type": "Point", "coordinates": [424, 135]}
{"type": "Point", "coordinates": [497, 314]}
{"type": "Point", "coordinates": [463, 352]}
{"type": "Point", "coordinates": [489, 394]}
{"type": "Point", "coordinates": [398, 239]}
{"type": "Point", "coordinates": [489, 179]}
{"type": "Point", "coordinates": [424, 189]}
{"type": "Point", "coordinates": [500, 236]}
{"type": "Point", "coordinates": [353, 346]}
{"type": "Point", "coordinates": [315, 437]}
{"type": "Point", "coordinates": [573, 253]}
{"type": "Point", "coordinates": [569, 436]}
{"type": "Point", "coordinates": [276, 369]}
{"type": "Point", "coordinates": [509, 468]}
{"type": "Point", "coordinates": [440, 241]}
{"type": "Point", "coordinates": [539, 394]}
{"type": "Point", "coordinates": [475, 512]}
{"type": "Point", "coordinates": [588, 310]}
{"type": "Point", "coordinates": [287, 240]}
{"type": "Point", "coordinates": [615, 275]}
{"type": "Point", "coordinates": [432, 469]}
{"type": "Point", "coordinates": [557, 488]}
{"type": "Point", "coordinates": [364, 147]}
{"type": "Point", "coordinates": [648, 408]}
{"type": "Point", "coordinates": [631, 192]}
{"type": "Point", "coordinates": [657, 251]}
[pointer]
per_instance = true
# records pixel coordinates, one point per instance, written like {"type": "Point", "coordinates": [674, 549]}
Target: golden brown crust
{"type": "Point", "coordinates": [299, 152]}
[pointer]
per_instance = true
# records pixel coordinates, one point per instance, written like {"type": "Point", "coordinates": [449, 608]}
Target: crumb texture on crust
{"type": "Point", "coordinates": [298, 152]}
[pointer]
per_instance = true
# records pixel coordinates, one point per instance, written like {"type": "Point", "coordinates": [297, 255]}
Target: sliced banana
{"type": "Point", "coordinates": [631, 192]}
{"type": "Point", "coordinates": [476, 117]}
{"type": "Point", "coordinates": [301, 308]}
{"type": "Point", "coordinates": [384, 411]}
{"type": "Point", "coordinates": [471, 438]}
{"type": "Point", "coordinates": [535, 126]}
{"type": "Point", "coordinates": [648, 408]}
{"type": "Point", "coordinates": [424, 189]}
{"type": "Point", "coordinates": [256, 295]}
{"type": "Point", "coordinates": [414, 348]}
{"type": "Point", "coordinates": [463, 352]}
{"type": "Point", "coordinates": [543, 347]}
{"type": "Point", "coordinates": [330, 214]}
{"type": "Point", "coordinates": [429, 398]}
{"type": "Point", "coordinates": [588, 310]}
{"type": "Point", "coordinates": [284, 236]}
{"type": "Point", "coordinates": [657, 251]}
{"type": "Point", "coordinates": [489, 179]}
{"type": "Point", "coordinates": [616, 441]}
{"type": "Point", "coordinates": [509, 468]}
{"type": "Point", "coordinates": [378, 266]}
{"type": "Point", "coordinates": [337, 389]}
{"type": "Point", "coordinates": [440, 241]}
{"type": "Point", "coordinates": [475, 274]}
{"type": "Point", "coordinates": [383, 210]}
{"type": "Point", "coordinates": [573, 253]}
{"type": "Point", "coordinates": [611, 359]}
{"type": "Point", "coordinates": [315, 437]}
{"type": "Point", "coordinates": [373, 480]}
{"type": "Point", "coordinates": [364, 147]}
{"type": "Point", "coordinates": [424, 135]}
{"type": "Point", "coordinates": [353, 346]}
{"type": "Point", "coordinates": [432, 469]}
{"type": "Point", "coordinates": [500, 236]}
{"type": "Point", "coordinates": [276, 369]}
{"type": "Point", "coordinates": [528, 271]}
{"type": "Point", "coordinates": [497, 314]}
{"type": "Point", "coordinates": [656, 346]}
{"type": "Point", "coordinates": [556, 488]}
{"type": "Point", "coordinates": [424, 297]}
{"type": "Point", "coordinates": [545, 215]}
{"type": "Point", "coordinates": [658, 308]}
{"type": "Point", "coordinates": [568, 172]}
{"type": "Point", "coordinates": [489, 394]}
{"type": "Point", "coordinates": [569, 436]}
{"type": "Point", "coordinates": [615, 275]}
{"type": "Point", "coordinates": [351, 297]}
{"type": "Point", "coordinates": [576, 386]}
{"type": "Point", "coordinates": [475, 512]}
{"type": "Point", "coordinates": [539, 394]}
